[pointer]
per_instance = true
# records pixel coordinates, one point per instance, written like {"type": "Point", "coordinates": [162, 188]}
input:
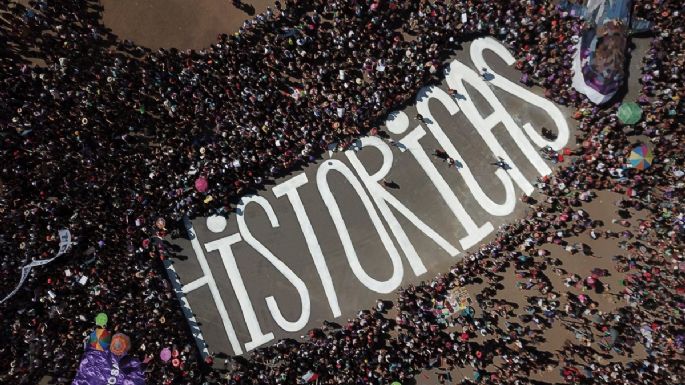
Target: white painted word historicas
{"type": "Point", "coordinates": [378, 202]}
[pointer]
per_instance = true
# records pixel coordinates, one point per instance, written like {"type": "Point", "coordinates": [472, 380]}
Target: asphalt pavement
{"type": "Point", "coordinates": [410, 185]}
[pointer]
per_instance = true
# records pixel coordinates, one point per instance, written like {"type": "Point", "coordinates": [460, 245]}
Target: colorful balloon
{"type": "Point", "coordinates": [101, 319]}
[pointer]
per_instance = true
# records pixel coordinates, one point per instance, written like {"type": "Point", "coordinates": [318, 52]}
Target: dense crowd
{"type": "Point", "coordinates": [103, 137]}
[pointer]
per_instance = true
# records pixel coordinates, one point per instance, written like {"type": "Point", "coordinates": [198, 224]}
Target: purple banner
{"type": "Point", "coordinates": [105, 368]}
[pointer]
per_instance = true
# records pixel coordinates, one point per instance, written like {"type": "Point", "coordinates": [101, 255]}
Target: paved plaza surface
{"type": "Point", "coordinates": [408, 183]}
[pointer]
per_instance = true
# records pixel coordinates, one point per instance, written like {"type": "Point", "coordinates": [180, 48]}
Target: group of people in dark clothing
{"type": "Point", "coordinates": [103, 137]}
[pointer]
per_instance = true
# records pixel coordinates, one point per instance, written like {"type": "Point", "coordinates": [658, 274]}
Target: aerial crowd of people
{"type": "Point", "coordinates": [104, 138]}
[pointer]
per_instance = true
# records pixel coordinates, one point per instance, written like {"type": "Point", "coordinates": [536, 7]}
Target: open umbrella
{"type": "Point", "coordinates": [613, 336]}
{"type": "Point", "coordinates": [310, 376]}
{"type": "Point", "coordinates": [165, 354]}
{"type": "Point", "coordinates": [641, 157]}
{"type": "Point", "coordinates": [100, 339]}
{"type": "Point", "coordinates": [120, 344]}
{"type": "Point", "coordinates": [629, 113]}
{"type": "Point", "coordinates": [201, 184]}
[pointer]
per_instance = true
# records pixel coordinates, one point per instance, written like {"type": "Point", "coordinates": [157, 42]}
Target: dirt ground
{"type": "Point", "coordinates": [180, 24]}
{"type": "Point", "coordinates": [601, 208]}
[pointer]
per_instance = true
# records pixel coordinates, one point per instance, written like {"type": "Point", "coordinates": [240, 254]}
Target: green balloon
{"type": "Point", "coordinates": [396, 383]}
{"type": "Point", "coordinates": [101, 319]}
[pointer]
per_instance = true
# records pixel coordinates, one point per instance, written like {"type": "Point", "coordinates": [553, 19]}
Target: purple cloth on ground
{"type": "Point", "coordinates": [105, 368]}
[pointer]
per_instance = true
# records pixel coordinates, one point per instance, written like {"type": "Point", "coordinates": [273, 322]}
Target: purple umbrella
{"type": "Point", "coordinates": [201, 184]}
{"type": "Point", "coordinates": [165, 354]}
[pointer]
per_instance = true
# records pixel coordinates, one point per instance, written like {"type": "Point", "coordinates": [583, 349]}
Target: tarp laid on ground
{"type": "Point", "coordinates": [599, 59]}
